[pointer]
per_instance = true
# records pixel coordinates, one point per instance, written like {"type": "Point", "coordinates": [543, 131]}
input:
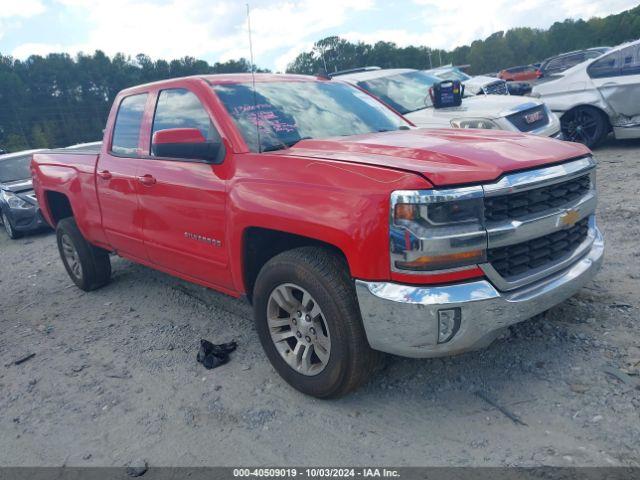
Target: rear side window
{"type": "Point", "coordinates": [608, 66]}
{"type": "Point", "coordinates": [180, 108]}
{"type": "Point", "coordinates": [126, 131]}
{"type": "Point", "coordinates": [631, 60]}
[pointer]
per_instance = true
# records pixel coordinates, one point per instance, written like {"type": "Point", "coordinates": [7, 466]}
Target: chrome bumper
{"type": "Point", "coordinates": [403, 319]}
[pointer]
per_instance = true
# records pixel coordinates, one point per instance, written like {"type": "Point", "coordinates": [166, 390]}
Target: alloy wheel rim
{"type": "Point", "coordinates": [71, 256]}
{"type": "Point", "coordinates": [298, 329]}
{"type": "Point", "coordinates": [581, 127]}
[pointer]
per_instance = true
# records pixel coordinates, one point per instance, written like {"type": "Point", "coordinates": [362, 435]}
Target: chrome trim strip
{"type": "Point", "coordinates": [521, 181]}
{"type": "Point", "coordinates": [531, 276]}
{"type": "Point", "coordinates": [502, 234]}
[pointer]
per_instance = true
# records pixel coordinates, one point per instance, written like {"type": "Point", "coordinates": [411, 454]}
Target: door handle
{"type": "Point", "coordinates": [147, 180]}
{"type": "Point", "coordinates": [105, 174]}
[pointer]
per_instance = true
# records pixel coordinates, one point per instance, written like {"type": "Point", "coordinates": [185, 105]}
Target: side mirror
{"type": "Point", "coordinates": [187, 144]}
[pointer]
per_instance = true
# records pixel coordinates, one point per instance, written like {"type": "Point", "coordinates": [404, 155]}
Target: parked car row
{"type": "Point", "coordinates": [406, 91]}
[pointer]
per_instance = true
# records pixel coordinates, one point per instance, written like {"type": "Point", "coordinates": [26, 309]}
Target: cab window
{"type": "Point", "coordinates": [126, 131]}
{"type": "Point", "coordinates": [179, 109]}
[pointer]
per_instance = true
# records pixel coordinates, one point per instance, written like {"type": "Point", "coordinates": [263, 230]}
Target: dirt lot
{"type": "Point", "coordinates": [115, 378]}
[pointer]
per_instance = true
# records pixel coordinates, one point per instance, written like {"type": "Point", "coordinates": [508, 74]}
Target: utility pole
{"type": "Point", "coordinates": [430, 64]}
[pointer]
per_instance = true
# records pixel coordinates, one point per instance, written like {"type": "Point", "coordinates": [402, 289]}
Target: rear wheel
{"type": "Point", "coordinates": [9, 228]}
{"type": "Point", "coordinates": [586, 125]}
{"type": "Point", "coordinates": [88, 266]}
{"type": "Point", "coordinates": [309, 323]}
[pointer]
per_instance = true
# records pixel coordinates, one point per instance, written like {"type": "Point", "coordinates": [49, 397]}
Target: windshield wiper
{"type": "Point", "coordinates": [283, 145]}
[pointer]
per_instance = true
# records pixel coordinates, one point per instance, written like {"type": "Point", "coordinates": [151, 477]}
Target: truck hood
{"type": "Point", "coordinates": [484, 106]}
{"type": "Point", "coordinates": [443, 156]}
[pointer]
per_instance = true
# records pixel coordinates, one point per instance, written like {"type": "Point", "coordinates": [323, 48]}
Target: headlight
{"type": "Point", "coordinates": [474, 123]}
{"type": "Point", "coordinates": [437, 229]}
{"type": "Point", "coordinates": [14, 201]}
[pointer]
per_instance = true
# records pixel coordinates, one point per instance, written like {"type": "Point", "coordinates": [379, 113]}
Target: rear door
{"type": "Point", "coordinates": [117, 182]}
{"type": "Point", "coordinates": [617, 77]}
{"type": "Point", "coordinates": [183, 203]}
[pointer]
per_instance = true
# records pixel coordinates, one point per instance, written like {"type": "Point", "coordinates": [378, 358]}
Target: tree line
{"type": "Point", "coordinates": [518, 46]}
{"type": "Point", "coordinates": [57, 100]}
{"type": "Point", "coordinates": [60, 100]}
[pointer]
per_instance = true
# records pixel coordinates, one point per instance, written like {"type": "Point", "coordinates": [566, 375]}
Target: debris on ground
{"type": "Point", "coordinates": [623, 377]}
{"type": "Point", "coordinates": [26, 358]}
{"type": "Point", "coordinates": [212, 355]}
{"type": "Point", "coordinates": [511, 416]}
{"type": "Point", "coordinates": [137, 468]}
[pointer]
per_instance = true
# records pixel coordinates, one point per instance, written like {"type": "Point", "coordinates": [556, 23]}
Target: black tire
{"type": "Point", "coordinates": [9, 228]}
{"type": "Point", "coordinates": [325, 276]}
{"type": "Point", "coordinates": [91, 266]}
{"type": "Point", "coordinates": [586, 125]}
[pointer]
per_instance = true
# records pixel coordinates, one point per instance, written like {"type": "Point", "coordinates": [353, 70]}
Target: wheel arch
{"type": "Point", "coordinates": [58, 206]}
{"type": "Point", "coordinates": [260, 244]}
{"type": "Point", "coordinates": [599, 109]}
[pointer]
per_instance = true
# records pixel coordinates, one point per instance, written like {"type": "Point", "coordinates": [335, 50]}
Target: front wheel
{"type": "Point", "coordinates": [586, 125]}
{"type": "Point", "coordinates": [309, 323]}
{"type": "Point", "coordinates": [88, 266]}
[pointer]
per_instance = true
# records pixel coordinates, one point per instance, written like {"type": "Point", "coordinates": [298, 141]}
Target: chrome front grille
{"type": "Point", "coordinates": [539, 222]}
{"type": "Point", "coordinates": [516, 260]}
{"type": "Point", "coordinates": [537, 200]}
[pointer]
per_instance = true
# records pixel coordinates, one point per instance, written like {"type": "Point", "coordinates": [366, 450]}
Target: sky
{"type": "Point", "coordinates": [216, 30]}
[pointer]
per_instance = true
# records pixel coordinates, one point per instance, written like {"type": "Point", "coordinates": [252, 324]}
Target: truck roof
{"type": "Point", "coordinates": [214, 79]}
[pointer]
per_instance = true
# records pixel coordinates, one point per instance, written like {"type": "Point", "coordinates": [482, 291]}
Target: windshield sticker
{"type": "Point", "coordinates": [265, 117]}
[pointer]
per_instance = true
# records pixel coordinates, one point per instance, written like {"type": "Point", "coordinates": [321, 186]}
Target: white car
{"type": "Point", "coordinates": [407, 91]}
{"type": "Point", "coordinates": [478, 85]}
{"type": "Point", "coordinates": [598, 96]}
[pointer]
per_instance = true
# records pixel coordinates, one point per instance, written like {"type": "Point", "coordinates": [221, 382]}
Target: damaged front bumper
{"type": "Point", "coordinates": [405, 319]}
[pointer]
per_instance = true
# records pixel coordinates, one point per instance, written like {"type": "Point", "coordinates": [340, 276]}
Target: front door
{"type": "Point", "coordinates": [117, 183]}
{"type": "Point", "coordinates": [183, 200]}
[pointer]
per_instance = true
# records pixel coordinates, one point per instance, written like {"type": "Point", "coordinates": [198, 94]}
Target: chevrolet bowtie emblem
{"type": "Point", "coordinates": [569, 218]}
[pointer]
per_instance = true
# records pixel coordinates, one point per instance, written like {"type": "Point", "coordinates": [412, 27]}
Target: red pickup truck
{"type": "Point", "coordinates": [350, 231]}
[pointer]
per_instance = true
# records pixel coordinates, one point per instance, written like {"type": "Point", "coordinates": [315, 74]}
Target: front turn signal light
{"type": "Point", "coordinates": [439, 262]}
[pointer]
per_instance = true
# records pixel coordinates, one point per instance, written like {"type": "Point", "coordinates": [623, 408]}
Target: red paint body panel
{"type": "Point", "coordinates": [445, 156]}
{"type": "Point", "coordinates": [189, 218]}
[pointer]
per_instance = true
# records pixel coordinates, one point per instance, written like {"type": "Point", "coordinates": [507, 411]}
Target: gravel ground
{"type": "Point", "coordinates": [114, 378]}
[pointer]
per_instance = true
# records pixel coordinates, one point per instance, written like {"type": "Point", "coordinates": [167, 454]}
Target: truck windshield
{"type": "Point", "coordinates": [16, 168]}
{"type": "Point", "coordinates": [405, 92]}
{"type": "Point", "coordinates": [286, 112]}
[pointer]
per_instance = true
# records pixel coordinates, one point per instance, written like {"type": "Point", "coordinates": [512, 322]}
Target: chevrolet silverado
{"type": "Point", "coordinates": [349, 230]}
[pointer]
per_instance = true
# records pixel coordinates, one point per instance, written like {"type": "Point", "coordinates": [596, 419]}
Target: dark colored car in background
{"type": "Point", "coordinates": [19, 212]}
{"type": "Point", "coordinates": [521, 73]}
{"type": "Point", "coordinates": [518, 88]}
{"type": "Point", "coordinates": [565, 61]}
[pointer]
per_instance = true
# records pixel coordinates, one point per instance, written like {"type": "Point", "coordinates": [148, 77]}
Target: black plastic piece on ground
{"type": "Point", "coordinates": [212, 355]}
